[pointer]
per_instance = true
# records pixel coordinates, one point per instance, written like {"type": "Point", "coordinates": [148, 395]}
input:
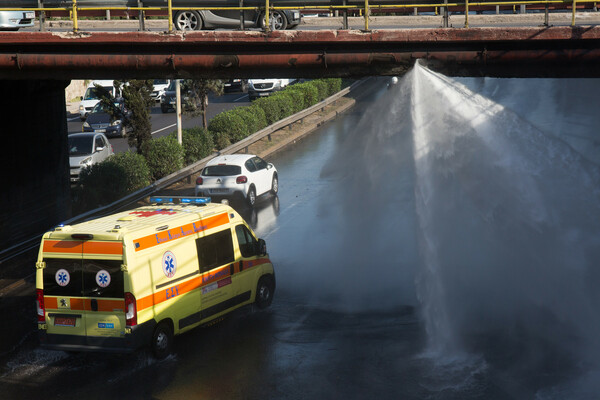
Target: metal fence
{"type": "Point", "coordinates": [365, 9]}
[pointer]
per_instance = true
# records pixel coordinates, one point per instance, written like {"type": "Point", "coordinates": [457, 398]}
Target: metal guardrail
{"type": "Point", "coordinates": [365, 9]}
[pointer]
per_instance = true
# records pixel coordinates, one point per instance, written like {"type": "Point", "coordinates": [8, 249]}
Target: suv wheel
{"type": "Point", "coordinates": [251, 197]}
{"type": "Point", "coordinates": [275, 184]}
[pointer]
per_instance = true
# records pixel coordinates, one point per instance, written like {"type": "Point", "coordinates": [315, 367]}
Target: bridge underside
{"type": "Point", "coordinates": [501, 52]}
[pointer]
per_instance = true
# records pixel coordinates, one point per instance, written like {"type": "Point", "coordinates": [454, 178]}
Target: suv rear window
{"type": "Point", "coordinates": [222, 170]}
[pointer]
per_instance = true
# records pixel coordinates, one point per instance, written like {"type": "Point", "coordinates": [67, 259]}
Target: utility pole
{"type": "Point", "coordinates": [178, 100]}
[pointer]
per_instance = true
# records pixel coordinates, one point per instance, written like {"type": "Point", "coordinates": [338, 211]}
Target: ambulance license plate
{"type": "Point", "coordinates": [64, 321]}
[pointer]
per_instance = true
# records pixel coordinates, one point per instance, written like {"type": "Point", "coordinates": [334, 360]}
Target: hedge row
{"type": "Point", "coordinates": [234, 125]}
{"type": "Point", "coordinates": [126, 172]}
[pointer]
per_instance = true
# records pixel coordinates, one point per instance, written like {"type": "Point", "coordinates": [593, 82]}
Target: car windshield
{"type": "Point", "coordinates": [80, 145]}
{"type": "Point", "coordinates": [171, 87]}
{"type": "Point", "coordinates": [160, 81]}
{"type": "Point", "coordinates": [102, 107]}
{"type": "Point", "coordinates": [222, 170]}
{"type": "Point", "coordinates": [94, 93]}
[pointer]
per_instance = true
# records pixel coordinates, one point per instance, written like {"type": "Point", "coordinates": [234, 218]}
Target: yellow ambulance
{"type": "Point", "coordinates": [139, 277]}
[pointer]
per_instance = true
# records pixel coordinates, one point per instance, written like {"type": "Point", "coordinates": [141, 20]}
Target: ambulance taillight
{"type": "Point", "coordinates": [130, 309]}
{"type": "Point", "coordinates": [41, 309]}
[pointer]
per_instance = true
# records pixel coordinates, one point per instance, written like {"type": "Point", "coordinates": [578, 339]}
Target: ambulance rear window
{"type": "Point", "coordinates": [87, 278]}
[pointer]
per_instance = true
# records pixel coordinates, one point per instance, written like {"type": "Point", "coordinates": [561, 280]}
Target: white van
{"type": "Point", "coordinates": [264, 87]}
{"type": "Point", "coordinates": [92, 96]}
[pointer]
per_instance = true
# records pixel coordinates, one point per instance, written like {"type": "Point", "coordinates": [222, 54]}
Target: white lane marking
{"type": "Point", "coordinates": [162, 129]}
{"type": "Point", "coordinates": [72, 119]}
{"type": "Point", "coordinates": [240, 98]}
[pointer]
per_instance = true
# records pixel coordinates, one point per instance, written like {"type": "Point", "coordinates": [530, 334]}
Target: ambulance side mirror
{"type": "Point", "coordinates": [261, 247]}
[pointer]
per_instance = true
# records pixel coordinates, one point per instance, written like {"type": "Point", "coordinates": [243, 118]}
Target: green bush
{"type": "Point", "coordinates": [164, 156]}
{"type": "Point", "coordinates": [110, 180]}
{"type": "Point", "coordinates": [197, 144]}
{"type": "Point", "coordinates": [310, 93]}
{"type": "Point", "coordinates": [285, 103]}
{"type": "Point", "coordinates": [229, 124]}
{"type": "Point", "coordinates": [322, 87]}
{"type": "Point", "coordinates": [334, 85]}
{"type": "Point", "coordinates": [253, 116]}
{"type": "Point", "coordinates": [270, 107]}
{"type": "Point", "coordinates": [297, 98]}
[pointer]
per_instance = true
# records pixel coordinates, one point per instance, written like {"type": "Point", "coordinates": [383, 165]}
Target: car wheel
{"type": "Point", "coordinates": [187, 21]}
{"type": "Point", "coordinates": [264, 292]}
{"type": "Point", "coordinates": [251, 197]}
{"type": "Point", "coordinates": [164, 109]}
{"type": "Point", "coordinates": [162, 340]}
{"type": "Point", "coordinates": [277, 20]}
{"type": "Point", "coordinates": [275, 184]}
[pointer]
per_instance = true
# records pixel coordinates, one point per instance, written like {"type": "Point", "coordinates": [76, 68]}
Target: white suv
{"type": "Point", "coordinates": [237, 175]}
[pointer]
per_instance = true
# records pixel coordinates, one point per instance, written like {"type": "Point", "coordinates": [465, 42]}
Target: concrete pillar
{"type": "Point", "coordinates": [34, 159]}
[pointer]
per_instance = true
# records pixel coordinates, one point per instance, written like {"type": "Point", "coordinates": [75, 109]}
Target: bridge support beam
{"type": "Point", "coordinates": [34, 159]}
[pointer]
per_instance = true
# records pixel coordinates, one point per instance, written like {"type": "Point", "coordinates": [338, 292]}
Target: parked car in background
{"type": "Point", "coordinates": [244, 176]}
{"type": "Point", "coordinates": [85, 150]}
{"type": "Point", "coordinates": [192, 20]}
{"type": "Point", "coordinates": [92, 96]}
{"type": "Point", "coordinates": [13, 20]}
{"type": "Point", "coordinates": [264, 87]}
{"type": "Point", "coordinates": [108, 119]}
{"type": "Point", "coordinates": [235, 85]}
{"type": "Point", "coordinates": [160, 85]}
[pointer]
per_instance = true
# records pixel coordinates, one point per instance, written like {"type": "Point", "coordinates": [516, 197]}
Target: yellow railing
{"type": "Point", "coordinates": [364, 9]}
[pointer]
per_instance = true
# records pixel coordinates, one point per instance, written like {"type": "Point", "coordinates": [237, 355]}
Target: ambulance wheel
{"type": "Point", "coordinates": [264, 292]}
{"type": "Point", "coordinates": [162, 340]}
{"type": "Point", "coordinates": [251, 197]}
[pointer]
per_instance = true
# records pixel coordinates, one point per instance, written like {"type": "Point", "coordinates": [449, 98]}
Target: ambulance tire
{"type": "Point", "coordinates": [162, 340]}
{"type": "Point", "coordinates": [264, 292]}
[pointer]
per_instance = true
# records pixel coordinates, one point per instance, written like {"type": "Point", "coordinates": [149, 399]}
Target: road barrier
{"type": "Point", "coordinates": [75, 10]}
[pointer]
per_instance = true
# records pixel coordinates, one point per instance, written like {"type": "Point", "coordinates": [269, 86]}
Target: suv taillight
{"type": "Point", "coordinates": [199, 180]}
{"type": "Point", "coordinates": [41, 309]}
{"type": "Point", "coordinates": [130, 309]}
{"type": "Point", "coordinates": [241, 179]}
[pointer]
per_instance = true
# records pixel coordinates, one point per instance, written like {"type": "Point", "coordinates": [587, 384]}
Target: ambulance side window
{"type": "Point", "coordinates": [248, 244]}
{"type": "Point", "coordinates": [214, 250]}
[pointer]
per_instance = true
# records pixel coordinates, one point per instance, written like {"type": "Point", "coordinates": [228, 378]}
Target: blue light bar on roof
{"type": "Point", "coordinates": [180, 200]}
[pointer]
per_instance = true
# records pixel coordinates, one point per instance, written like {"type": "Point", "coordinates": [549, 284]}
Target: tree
{"type": "Point", "coordinates": [136, 95]}
{"type": "Point", "coordinates": [197, 91]}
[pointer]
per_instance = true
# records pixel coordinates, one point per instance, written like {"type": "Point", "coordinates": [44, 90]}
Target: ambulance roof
{"type": "Point", "coordinates": [139, 221]}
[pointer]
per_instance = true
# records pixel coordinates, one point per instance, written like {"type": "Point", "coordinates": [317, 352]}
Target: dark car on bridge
{"type": "Point", "coordinates": [109, 119]}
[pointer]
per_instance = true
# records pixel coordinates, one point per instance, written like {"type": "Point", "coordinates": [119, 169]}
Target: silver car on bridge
{"type": "Point", "coordinates": [13, 20]}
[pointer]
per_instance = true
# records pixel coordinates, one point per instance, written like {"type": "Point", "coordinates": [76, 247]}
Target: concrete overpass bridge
{"type": "Point", "coordinates": [35, 67]}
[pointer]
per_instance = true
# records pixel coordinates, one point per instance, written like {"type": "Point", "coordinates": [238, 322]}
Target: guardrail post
{"type": "Point", "coordinates": [141, 16]}
{"type": "Point", "coordinates": [466, 13]}
{"type": "Point", "coordinates": [108, 15]}
{"type": "Point", "coordinates": [573, 15]}
{"type": "Point", "coordinates": [42, 16]}
{"type": "Point", "coordinates": [367, 12]}
{"type": "Point", "coordinates": [170, 16]}
{"type": "Point", "coordinates": [75, 25]}
{"type": "Point", "coordinates": [497, 10]}
{"type": "Point", "coordinates": [345, 15]}
{"type": "Point", "coordinates": [546, 19]}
